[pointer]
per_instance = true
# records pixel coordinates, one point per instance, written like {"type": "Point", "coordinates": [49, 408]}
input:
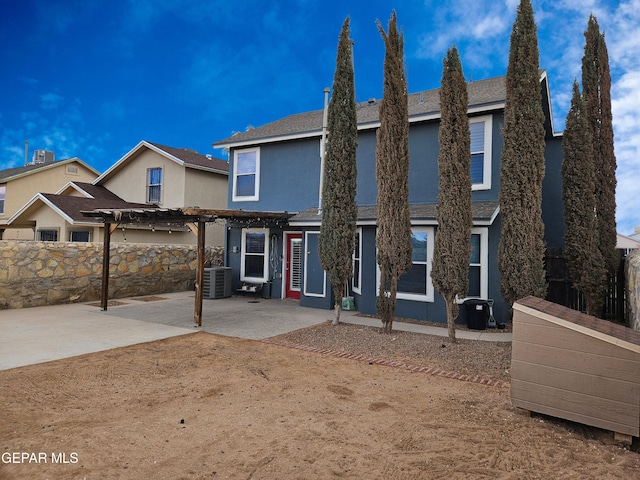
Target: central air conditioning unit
{"type": "Point", "coordinates": [217, 282]}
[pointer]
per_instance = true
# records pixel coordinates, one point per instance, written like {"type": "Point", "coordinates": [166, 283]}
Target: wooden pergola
{"type": "Point", "coordinates": [194, 218]}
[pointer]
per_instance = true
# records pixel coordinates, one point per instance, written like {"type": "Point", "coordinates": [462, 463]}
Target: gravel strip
{"type": "Point", "coordinates": [490, 360]}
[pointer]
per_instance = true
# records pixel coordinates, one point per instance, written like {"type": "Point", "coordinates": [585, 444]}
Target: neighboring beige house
{"type": "Point", "coordinates": [624, 242]}
{"type": "Point", "coordinates": [18, 185]}
{"type": "Point", "coordinates": [58, 217]}
{"type": "Point", "coordinates": [149, 175]}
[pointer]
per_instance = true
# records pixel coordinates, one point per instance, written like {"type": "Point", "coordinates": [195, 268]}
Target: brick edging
{"type": "Point", "coordinates": [388, 363]}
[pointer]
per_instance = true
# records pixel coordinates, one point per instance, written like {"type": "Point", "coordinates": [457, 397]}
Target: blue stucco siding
{"type": "Point", "coordinates": [552, 203]}
{"type": "Point", "coordinates": [367, 187]}
{"type": "Point", "coordinates": [289, 177]}
{"type": "Point", "coordinates": [290, 170]}
{"type": "Point", "coordinates": [423, 165]}
{"type": "Point", "coordinates": [423, 162]}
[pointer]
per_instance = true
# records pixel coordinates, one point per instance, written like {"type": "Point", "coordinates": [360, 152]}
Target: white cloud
{"type": "Point", "coordinates": [623, 44]}
{"type": "Point", "coordinates": [479, 29]}
{"type": "Point", "coordinates": [50, 101]}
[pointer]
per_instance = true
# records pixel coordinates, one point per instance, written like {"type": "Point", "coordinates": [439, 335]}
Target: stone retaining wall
{"type": "Point", "coordinates": [632, 271]}
{"type": "Point", "coordinates": [47, 273]}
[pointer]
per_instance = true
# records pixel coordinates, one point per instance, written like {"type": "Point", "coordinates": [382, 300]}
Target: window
{"type": "Point", "coordinates": [357, 262]}
{"type": "Point", "coordinates": [3, 192]}
{"type": "Point", "coordinates": [254, 266]}
{"type": "Point", "coordinates": [246, 175]}
{"type": "Point", "coordinates": [416, 283]}
{"type": "Point", "coordinates": [48, 235]}
{"type": "Point", "coordinates": [480, 129]}
{"type": "Point", "coordinates": [154, 185]}
{"type": "Point", "coordinates": [478, 277]}
{"type": "Point", "coordinates": [79, 236]}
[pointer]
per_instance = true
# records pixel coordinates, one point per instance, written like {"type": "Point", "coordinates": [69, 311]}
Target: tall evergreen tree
{"type": "Point", "coordinates": [452, 249]}
{"type": "Point", "coordinates": [521, 250]}
{"type": "Point", "coordinates": [393, 237]}
{"type": "Point", "coordinates": [339, 211]}
{"type": "Point", "coordinates": [596, 89]}
{"type": "Point", "coordinates": [581, 239]}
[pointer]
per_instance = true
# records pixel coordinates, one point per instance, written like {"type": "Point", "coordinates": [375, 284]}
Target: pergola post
{"type": "Point", "coordinates": [106, 248]}
{"type": "Point", "coordinates": [197, 313]}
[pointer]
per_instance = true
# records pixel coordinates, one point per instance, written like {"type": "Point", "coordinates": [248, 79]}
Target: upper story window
{"type": "Point", "coordinates": [480, 128]}
{"type": "Point", "coordinates": [246, 175]}
{"type": "Point", "coordinates": [3, 192]}
{"type": "Point", "coordinates": [154, 185]}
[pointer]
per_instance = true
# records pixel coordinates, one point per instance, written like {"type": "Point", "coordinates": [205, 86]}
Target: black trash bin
{"type": "Point", "coordinates": [266, 289]}
{"type": "Point", "coordinates": [477, 313]}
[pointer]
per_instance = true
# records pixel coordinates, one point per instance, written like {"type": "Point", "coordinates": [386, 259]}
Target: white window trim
{"type": "Point", "coordinates": [488, 149]}
{"type": "Point", "coordinates": [484, 261]}
{"type": "Point", "coordinates": [149, 185]}
{"type": "Point", "coordinates": [244, 278]}
{"type": "Point", "coordinates": [429, 295]}
{"type": "Point", "coordinates": [358, 289]}
{"type": "Point", "coordinates": [3, 191]}
{"type": "Point", "coordinates": [256, 195]}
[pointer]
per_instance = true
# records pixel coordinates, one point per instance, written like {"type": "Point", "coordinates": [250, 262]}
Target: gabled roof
{"type": "Point", "coordinates": [14, 173]}
{"type": "Point", "coordinates": [484, 213]}
{"type": "Point", "coordinates": [484, 95]}
{"type": "Point", "coordinates": [191, 158]}
{"type": "Point", "coordinates": [70, 207]}
{"type": "Point", "coordinates": [182, 156]}
{"type": "Point", "coordinates": [625, 242]}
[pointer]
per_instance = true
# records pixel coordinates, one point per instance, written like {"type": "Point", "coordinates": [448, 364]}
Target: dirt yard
{"type": "Point", "coordinates": [204, 406]}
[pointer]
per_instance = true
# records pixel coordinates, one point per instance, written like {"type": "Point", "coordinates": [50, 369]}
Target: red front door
{"type": "Point", "coordinates": [293, 270]}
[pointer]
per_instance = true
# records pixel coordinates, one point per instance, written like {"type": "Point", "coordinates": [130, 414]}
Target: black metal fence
{"type": "Point", "coordinates": [561, 288]}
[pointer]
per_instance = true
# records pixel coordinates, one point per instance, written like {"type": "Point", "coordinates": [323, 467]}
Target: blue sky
{"type": "Point", "coordinates": [91, 79]}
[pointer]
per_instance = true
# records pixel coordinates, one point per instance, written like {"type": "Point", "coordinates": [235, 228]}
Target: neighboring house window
{"type": "Point", "coordinates": [48, 235]}
{"type": "Point", "coordinates": [478, 266]}
{"type": "Point", "coordinates": [480, 128]}
{"type": "Point", "coordinates": [3, 192]}
{"type": "Point", "coordinates": [254, 262]}
{"type": "Point", "coordinates": [416, 283]}
{"type": "Point", "coordinates": [79, 236]}
{"type": "Point", "coordinates": [357, 262]}
{"type": "Point", "coordinates": [246, 175]}
{"type": "Point", "coordinates": [154, 185]}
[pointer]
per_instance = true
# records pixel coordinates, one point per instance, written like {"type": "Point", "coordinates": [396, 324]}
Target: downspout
{"type": "Point", "coordinates": [323, 146]}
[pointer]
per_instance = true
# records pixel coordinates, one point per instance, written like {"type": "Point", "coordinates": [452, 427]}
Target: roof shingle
{"type": "Point", "coordinates": [482, 93]}
{"type": "Point", "coordinates": [482, 212]}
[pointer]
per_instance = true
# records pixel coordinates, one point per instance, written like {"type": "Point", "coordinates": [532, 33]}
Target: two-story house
{"type": "Point", "coordinates": [43, 174]}
{"type": "Point", "coordinates": [277, 167]}
{"type": "Point", "coordinates": [149, 175]}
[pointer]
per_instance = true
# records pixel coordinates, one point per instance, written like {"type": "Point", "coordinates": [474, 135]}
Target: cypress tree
{"type": "Point", "coordinates": [393, 237]}
{"type": "Point", "coordinates": [339, 211]}
{"type": "Point", "coordinates": [581, 238]}
{"type": "Point", "coordinates": [596, 86]}
{"type": "Point", "coordinates": [452, 249]}
{"type": "Point", "coordinates": [521, 250]}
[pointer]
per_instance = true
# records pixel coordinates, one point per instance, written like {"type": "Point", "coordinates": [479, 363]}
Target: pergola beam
{"type": "Point", "coordinates": [194, 218]}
